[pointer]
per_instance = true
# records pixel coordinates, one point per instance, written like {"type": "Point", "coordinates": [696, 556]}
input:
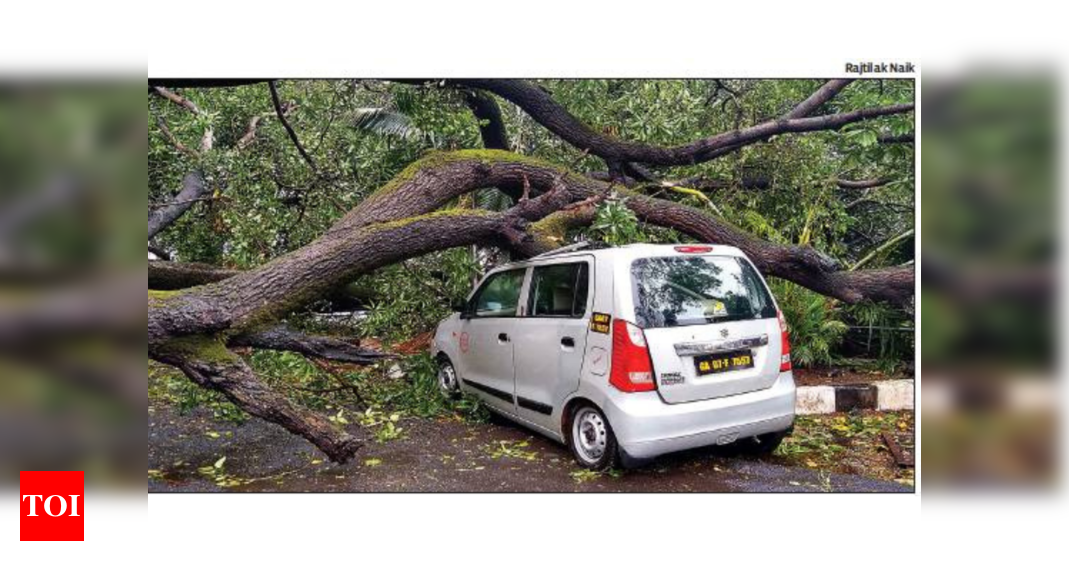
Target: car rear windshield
{"type": "Point", "coordinates": [686, 290]}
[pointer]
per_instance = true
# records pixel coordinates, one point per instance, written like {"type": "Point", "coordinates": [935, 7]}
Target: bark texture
{"type": "Point", "coordinates": [179, 275]}
{"type": "Point", "coordinates": [193, 190]}
{"type": "Point", "coordinates": [283, 338]}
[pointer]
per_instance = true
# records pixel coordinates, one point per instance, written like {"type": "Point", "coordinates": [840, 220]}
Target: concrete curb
{"type": "Point", "coordinates": [879, 395]}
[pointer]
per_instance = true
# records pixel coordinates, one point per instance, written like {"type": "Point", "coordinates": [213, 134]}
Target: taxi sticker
{"type": "Point", "coordinates": [715, 308]}
{"type": "Point", "coordinates": [600, 323]}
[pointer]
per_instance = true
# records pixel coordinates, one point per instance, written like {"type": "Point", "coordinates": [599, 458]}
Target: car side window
{"type": "Point", "coordinates": [559, 290]}
{"type": "Point", "coordinates": [500, 295]}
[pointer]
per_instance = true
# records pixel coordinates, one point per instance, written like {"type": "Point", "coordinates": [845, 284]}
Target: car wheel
{"type": "Point", "coordinates": [448, 382]}
{"type": "Point", "coordinates": [592, 440]}
{"type": "Point", "coordinates": [765, 444]}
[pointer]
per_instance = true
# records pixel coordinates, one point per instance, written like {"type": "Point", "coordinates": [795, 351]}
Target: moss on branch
{"type": "Point", "coordinates": [204, 348]}
{"type": "Point", "coordinates": [438, 159]}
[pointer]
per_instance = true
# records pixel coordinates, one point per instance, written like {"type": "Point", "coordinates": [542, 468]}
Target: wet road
{"type": "Point", "coordinates": [442, 456]}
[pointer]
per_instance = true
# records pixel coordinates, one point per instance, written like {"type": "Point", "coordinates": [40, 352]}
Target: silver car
{"type": "Point", "coordinates": [626, 353]}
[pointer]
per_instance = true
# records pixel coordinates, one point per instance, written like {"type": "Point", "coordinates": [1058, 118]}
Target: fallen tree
{"type": "Point", "coordinates": [199, 314]}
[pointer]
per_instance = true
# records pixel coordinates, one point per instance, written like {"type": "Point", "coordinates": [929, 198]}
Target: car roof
{"type": "Point", "coordinates": [630, 251]}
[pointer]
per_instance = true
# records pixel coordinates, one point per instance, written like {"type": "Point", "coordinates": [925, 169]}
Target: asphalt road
{"type": "Point", "coordinates": [442, 456]}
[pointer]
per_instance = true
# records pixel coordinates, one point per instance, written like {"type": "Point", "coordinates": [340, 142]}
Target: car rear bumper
{"type": "Point", "coordinates": [646, 426]}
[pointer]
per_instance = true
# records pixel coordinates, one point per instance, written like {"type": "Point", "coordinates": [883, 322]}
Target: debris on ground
{"type": "Point", "coordinates": [903, 457]}
{"type": "Point", "coordinates": [852, 443]}
{"type": "Point", "coordinates": [415, 345]}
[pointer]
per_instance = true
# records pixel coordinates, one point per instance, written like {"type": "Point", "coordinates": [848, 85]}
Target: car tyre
{"type": "Point", "coordinates": [448, 379]}
{"type": "Point", "coordinates": [592, 440]}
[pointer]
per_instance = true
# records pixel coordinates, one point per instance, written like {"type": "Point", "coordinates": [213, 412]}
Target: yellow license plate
{"type": "Point", "coordinates": [711, 364]}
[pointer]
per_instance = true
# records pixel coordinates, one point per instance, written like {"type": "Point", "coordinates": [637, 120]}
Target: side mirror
{"type": "Point", "coordinates": [460, 306]}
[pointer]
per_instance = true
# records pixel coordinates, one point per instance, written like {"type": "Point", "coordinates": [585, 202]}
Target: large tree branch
{"type": "Point", "coordinates": [390, 227]}
{"type": "Point", "coordinates": [208, 363]}
{"type": "Point", "coordinates": [297, 278]}
{"type": "Point", "coordinates": [170, 276]}
{"type": "Point", "coordinates": [179, 275]}
{"type": "Point", "coordinates": [491, 126]}
{"type": "Point", "coordinates": [431, 182]}
{"type": "Point", "coordinates": [551, 115]}
{"type": "Point", "coordinates": [283, 338]}
{"type": "Point", "coordinates": [799, 264]}
{"type": "Point", "coordinates": [824, 94]}
{"type": "Point", "coordinates": [193, 189]}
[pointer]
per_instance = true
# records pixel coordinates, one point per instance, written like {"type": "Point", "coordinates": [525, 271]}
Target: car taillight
{"type": "Point", "coordinates": [785, 345]}
{"type": "Point", "coordinates": [632, 370]}
{"type": "Point", "coordinates": [694, 249]}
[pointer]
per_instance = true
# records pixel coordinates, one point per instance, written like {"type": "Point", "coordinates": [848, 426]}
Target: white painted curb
{"type": "Point", "coordinates": [814, 400]}
{"type": "Point", "coordinates": [894, 395]}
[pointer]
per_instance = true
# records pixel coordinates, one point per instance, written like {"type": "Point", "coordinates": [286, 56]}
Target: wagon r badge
{"type": "Point", "coordinates": [671, 378]}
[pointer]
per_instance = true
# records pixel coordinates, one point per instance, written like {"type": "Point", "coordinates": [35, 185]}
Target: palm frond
{"type": "Point", "coordinates": [384, 122]}
{"type": "Point", "coordinates": [492, 199]}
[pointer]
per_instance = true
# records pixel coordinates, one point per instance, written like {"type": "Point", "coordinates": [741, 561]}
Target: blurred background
{"type": "Point", "coordinates": [72, 301]}
{"type": "Point", "coordinates": [989, 297]}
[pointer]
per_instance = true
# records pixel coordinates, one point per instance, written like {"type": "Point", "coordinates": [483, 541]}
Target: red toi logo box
{"type": "Point", "coordinates": [52, 506]}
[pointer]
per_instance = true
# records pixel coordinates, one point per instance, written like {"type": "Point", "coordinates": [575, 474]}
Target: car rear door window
{"type": "Point", "coordinates": [499, 295]}
{"type": "Point", "coordinates": [560, 290]}
{"type": "Point", "coordinates": [679, 291]}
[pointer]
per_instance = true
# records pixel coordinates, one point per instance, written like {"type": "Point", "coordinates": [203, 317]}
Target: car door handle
{"type": "Point", "coordinates": [567, 342]}
{"type": "Point", "coordinates": [503, 337]}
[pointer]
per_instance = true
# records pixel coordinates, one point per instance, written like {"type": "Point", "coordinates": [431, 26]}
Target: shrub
{"type": "Point", "coordinates": [814, 323]}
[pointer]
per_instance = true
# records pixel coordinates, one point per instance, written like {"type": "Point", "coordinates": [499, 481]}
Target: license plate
{"type": "Point", "coordinates": [711, 364]}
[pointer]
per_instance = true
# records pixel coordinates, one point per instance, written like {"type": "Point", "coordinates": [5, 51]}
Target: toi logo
{"type": "Point", "coordinates": [52, 506]}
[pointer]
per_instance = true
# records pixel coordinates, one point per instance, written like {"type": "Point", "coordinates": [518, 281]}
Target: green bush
{"type": "Point", "coordinates": [886, 333]}
{"type": "Point", "coordinates": [814, 323]}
